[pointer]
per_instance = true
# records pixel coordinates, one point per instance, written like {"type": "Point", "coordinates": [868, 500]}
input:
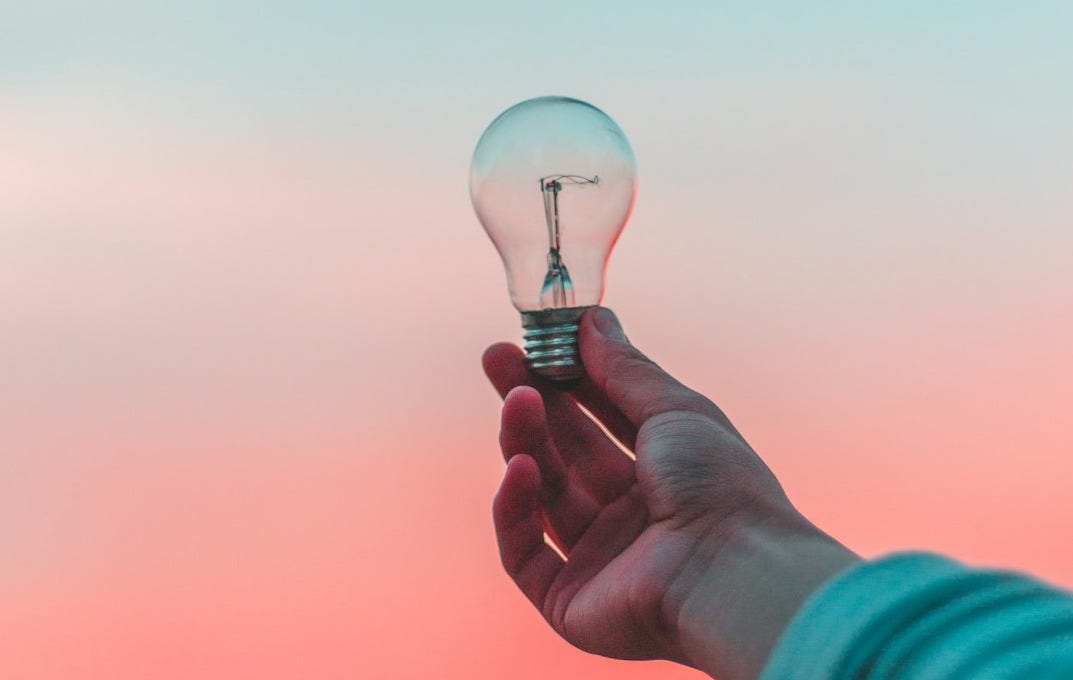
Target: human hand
{"type": "Point", "coordinates": [691, 553]}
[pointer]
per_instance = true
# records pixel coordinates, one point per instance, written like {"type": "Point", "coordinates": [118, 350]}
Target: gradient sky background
{"type": "Point", "coordinates": [243, 429]}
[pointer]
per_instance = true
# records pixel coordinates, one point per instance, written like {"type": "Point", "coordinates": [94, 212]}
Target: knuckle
{"type": "Point", "coordinates": [674, 419]}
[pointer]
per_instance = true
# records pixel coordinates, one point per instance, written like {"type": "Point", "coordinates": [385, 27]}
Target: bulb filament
{"type": "Point", "coordinates": [558, 289]}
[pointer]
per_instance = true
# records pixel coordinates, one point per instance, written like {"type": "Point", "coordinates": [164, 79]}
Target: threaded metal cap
{"type": "Point", "coordinates": [551, 344]}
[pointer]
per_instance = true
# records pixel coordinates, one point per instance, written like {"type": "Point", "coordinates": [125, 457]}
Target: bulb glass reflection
{"type": "Point", "coordinates": [553, 182]}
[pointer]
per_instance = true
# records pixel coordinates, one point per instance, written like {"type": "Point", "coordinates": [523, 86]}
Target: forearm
{"type": "Point", "coordinates": [746, 583]}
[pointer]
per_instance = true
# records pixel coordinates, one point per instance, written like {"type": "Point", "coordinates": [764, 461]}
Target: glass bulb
{"type": "Point", "coordinates": [553, 181]}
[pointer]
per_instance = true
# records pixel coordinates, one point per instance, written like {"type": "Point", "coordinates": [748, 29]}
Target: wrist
{"type": "Point", "coordinates": [747, 579]}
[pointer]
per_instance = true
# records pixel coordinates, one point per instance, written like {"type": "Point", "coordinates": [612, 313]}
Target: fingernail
{"type": "Point", "coordinates": [607, 323]}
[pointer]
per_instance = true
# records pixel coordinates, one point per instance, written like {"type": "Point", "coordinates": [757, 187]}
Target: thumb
{"type": "Point", "coordinates": [629, 380]}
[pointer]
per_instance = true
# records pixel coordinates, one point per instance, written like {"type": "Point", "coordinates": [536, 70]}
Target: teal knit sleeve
{"type": "Point", "coordinates": [917, 616]}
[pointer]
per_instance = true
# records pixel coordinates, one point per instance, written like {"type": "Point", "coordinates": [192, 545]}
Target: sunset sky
{"type": "Point", "coordinates": [243, 295]}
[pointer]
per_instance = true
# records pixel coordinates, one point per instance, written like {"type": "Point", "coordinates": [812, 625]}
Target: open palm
{"type": "Point", "coordinates": [632, 531]}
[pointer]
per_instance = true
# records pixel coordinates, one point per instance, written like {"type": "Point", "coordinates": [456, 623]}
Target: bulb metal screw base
{"type": "Point", "coordinates": [551, 345]}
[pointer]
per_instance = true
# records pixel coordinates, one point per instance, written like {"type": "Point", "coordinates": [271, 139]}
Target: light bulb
{"type": "Point", "coordinates": [553, 181]}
